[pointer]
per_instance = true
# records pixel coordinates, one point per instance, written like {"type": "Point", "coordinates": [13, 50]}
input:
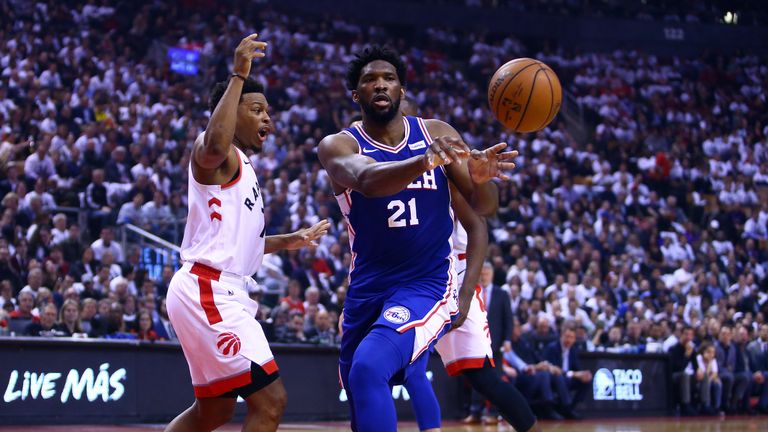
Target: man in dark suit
{"type": "Point", "coordinates": [682, 359]}
{"type": "Point", "coordinates": [758, 351]}
{"type": "Point", "coordinates": [499, 310]}
{"type": "Point", "coordinates": [743, 371]}
{"type": "Point", "coordinates": [530, 374]}
{"type": "Point", "coordinates": [564, 357]}
{"type": "Point", "coordinates": [116, 169]}
{"type": "Point", "coordinates": [733, 384]}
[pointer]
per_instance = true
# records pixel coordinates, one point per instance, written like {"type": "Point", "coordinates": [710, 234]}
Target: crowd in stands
{"type": "Point", "coordinates": [678, 11]}
{"type": "Point", "coordinates": [650, 235]}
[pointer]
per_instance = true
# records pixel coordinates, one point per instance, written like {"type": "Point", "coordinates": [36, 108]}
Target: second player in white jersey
{"type": "Point", "coordinates": [467, 346]}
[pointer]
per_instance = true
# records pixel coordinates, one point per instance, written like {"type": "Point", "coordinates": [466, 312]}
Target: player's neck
{"type": "Point", "coordinates": [238, 144]}
{"type": "Point", "coordinates": [390, 133]}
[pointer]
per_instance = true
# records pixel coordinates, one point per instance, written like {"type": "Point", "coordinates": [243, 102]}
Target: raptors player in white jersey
{"type": "Point", "coordinates": [224, 243]}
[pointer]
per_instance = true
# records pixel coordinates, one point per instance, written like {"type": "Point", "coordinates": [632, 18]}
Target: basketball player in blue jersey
{"type": "Point", "coordinates": [390, 176]}
{"type": "Point", "coordinates": [473, 343]}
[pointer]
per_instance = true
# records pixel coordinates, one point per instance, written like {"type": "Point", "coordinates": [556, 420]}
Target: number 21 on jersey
{"type": "Point", "coordinates": [398, 219]}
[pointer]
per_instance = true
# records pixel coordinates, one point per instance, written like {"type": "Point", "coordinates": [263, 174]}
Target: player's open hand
{"type": "Point", "coordinates": [445, 151]}
{"type": "Point", "coordinates": [249, 49]}
{"type": "Point", "coordinates": [491, 163]}
{"type": "Point", "coordinates": [307, 237]}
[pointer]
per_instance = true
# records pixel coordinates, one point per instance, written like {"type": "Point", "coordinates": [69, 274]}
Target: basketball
{"type": "Point", "coordinates": [525, 95]}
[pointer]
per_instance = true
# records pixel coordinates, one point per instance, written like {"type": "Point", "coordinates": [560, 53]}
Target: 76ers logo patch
{"type": "Point", "coordinates": [228, 344]}
{"type": "Point", "coordinates": [397, 314]}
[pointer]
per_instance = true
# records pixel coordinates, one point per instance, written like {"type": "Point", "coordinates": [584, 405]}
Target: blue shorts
{"type": "Point", "coordinates": [427, 307]}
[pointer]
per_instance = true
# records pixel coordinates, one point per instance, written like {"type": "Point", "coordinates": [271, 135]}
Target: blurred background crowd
{"type": "Point", "coordinates": [644, 232]}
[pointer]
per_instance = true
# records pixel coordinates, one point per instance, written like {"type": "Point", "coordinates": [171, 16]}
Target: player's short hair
{"type": "Point", "coordinates": [217, 92]}
{"type": "Point", "coordinates": [371, 53]}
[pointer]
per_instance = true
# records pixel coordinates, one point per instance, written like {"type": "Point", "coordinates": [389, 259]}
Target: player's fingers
{"type": "Point", "coordinates": [506, 166]}
{"type": "Point", "coordinates": [440, 147]}
{"type": "Point", "coordinates": [507, 155]}
{"type": "Point", "coordinates": [497, 148]}
{"type": "Point", "coordinates": [453, 154]}
{"type": "Point", "coordinates": [502, 176]}
{"type": "Point", "coordinates": [459, 143]}
{"type": "Point", "coordinates": [252, 36]}
{"type": "Point", "coordinates": [322, 225]}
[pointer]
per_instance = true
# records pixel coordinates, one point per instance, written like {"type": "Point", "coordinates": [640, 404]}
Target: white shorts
{"type": "Point", "coordinates": [468, 346]}
{"type": "Point", "coordinates": [214, 319]}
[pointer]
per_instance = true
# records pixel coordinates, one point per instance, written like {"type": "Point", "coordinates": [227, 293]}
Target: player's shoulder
{"type": "Point", "coordinates": [338, 142]}
{"type": "Point", "coordinates": [437, 127]}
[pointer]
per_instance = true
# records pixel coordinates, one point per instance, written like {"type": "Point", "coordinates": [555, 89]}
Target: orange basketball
{"type": "Point", "coordinates": [524, 95]}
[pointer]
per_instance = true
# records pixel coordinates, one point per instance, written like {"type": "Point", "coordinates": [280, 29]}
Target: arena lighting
{"type": "Point", "coordinates": [731, 18]}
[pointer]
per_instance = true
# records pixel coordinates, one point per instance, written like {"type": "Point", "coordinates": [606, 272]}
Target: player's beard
{"type": "Point", "coordinates": [382, 117]}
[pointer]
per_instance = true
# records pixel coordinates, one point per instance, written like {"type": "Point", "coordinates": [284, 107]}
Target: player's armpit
{"type": "Point", "coordinates": [211, 168]}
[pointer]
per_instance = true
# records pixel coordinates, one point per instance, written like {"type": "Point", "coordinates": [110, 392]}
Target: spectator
{"type": "Point", "coordinates": [34, 281]}
{"type": "Point", "coordinates": [69, 319]}
{"type": "Point", "coordinates": [732, 384]}
{"type": "Point", "coordinates": [72, 247]}
{"type": "Point", "coordinates": [758, 351]}
{"type": "Point", "coordinates": [563, 355]}
{"type": "Point", "coordinates": [87, 313]}
{"type": "Point", "coordinates": [107, 242]}
{"type": "Point", "coordinates": [710, 386]}
{"type": "Point", "coordinates": [39, 164]}
{"type": "Point", "coordinates": [499, 311]}
{"type": "Point", "coordinates": [45, 326]}
{"type": "Point", "coordinates": [157, 214]}
{"type": "Point", "coordinates": [293, 330]}
{"type": "Point", "coordinates": [683, 364]}
{"type": "Point", "coordinates": [131, 212]}
{"type": "Point", "coordinates": [293, 301]}
{"type": "Point", "coordinates": [531, 375]}
{"type": "Point", "coordinates": [146, 330]}
{"type": "Point", "coordinates": [96, 201]}
{"type": "Point", "coordinates": [312, 295]}
{"type": "Point", "coordinates": [322, 333]}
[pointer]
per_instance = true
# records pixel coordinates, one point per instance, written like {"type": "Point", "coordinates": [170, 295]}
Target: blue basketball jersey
{"type": "Point", "coordinates": [403, 237]}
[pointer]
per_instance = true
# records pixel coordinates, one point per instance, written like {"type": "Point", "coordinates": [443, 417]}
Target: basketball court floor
{"type": "Point", "coordinates": [712, 424]}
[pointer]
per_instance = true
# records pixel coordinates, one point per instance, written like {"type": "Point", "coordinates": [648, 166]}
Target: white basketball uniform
{"type": "Point", "coordinates": [469, 345]}
{"type": "Point", "coordinates": [208, 302]}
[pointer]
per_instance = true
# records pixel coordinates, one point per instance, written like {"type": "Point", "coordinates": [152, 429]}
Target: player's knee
{"type": "Point", "coordinates": [269, 404]}
{"type": "Point", "coordinates": [481, 378]}
{"type": "Point", "coordinates": [210, 416]}
{"type": "Point", "coordinates": [364, 369]}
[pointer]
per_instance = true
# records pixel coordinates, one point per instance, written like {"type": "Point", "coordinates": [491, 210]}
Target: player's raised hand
{"type": "Point", "coordinates": [249, 49]}
{"type": "Point", "coordinates": [491, 163]}
{"type": "Point", "coordinates": [307, 237]}
{"type": "Point", "coordinates": [444, 151]}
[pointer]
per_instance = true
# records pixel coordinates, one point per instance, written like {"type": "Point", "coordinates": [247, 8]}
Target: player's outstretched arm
{"type": "Point", "coordinates": [477, 244]}
{"type": "Point", "coordinates": [350, 170]}
{"type": "Point", "coordinates": [305, 237]}
{"type": "Point", "coordinates": [473, 178]}
{"type": "Point", "coordinates": [211, 152]}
